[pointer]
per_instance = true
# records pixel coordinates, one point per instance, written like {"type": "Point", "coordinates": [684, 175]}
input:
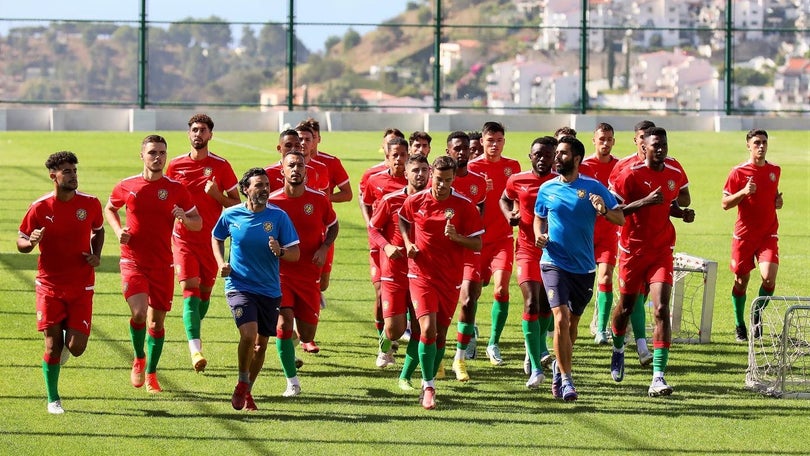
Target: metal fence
{"type": "Point", "coordinates": [516, 56]}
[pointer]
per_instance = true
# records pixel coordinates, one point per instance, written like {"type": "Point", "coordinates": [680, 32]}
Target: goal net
{"type": "Point", "coordinates": [779, 360]}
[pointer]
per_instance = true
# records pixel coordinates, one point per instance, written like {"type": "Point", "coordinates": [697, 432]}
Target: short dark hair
{"type": "Point", "coordinates": [655, 131]}
{"type": "Point", "coordinates": [396, 142]}
{"type": "Point", "coordinates": [56, 159]}
{"type": "Point", "coordinates": [474, 135]}
{"type": "Point", "coordinates": [444, 162]}
{"type": "Point", "coordinates": [297, 153]}
{"type": "Point", "coordinates": [604, 126]}
{"type": "Point", "coordinates": [493, 127]}
{"type": "Point", "coordinates": [244, 182]}
{"type": "Point", "coordinates": [287, 132]}
{"type": "Point", "coordinates": [458, 135]}
{"type": "Point", "coordinates": [304, 127]}
{"type": "Point", "coordinates": [755, 132]}
{"type": "Point", "coordinates": [201, 118]}
{"type": "Point", "coordinates": [416, 158]}
{"type": "Point", "coordinates": [576, 146]}
{"type": "Point", "coordinates": [643, 125]}
{"type": "Point", "coordinates": [154, 139]}
{"type": "Point", "coordinates": [419, 135]}
{"type": "Point", "coordinates": [565, 131]}
{"type": "Point", "coordinates": [312, 123]}
{"type": "Point", "coordinates": [546, 141]}
{"type": "Point", "coordinates": [394, 131]}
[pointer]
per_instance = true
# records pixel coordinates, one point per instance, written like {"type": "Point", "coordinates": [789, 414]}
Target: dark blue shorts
{"type": "Point", "coordinates": [250, 307]}
{"type": "Point", "coordinates": [567, 288]}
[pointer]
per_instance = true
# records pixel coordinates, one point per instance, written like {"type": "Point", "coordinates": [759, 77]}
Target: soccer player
{"type": "Point", "coordinates": [564, 131]}
{"type": "Point", "coordinates": [437, 226]}
{"type": "Point", "coordinates": [261, 235]}
{"type": "Point", "coordinates": [211, 182]}
{"type": "Point", "coordinates": [318, 174]}
{"type": "Point", "coordinates": [564, 218]}
{"type": "Point", "coordinates": [753, 188]}
{"type": "Point", "coordinates": [473, 186]}
{"type": "Point", "coordinates": [476, 149]}
{"type": "Point", "coordinates": [646, 191]}
{"type": "Point", "coordinates": [419, 143]}
{"type": "Point", "coordinates": [68, 228]}
{"type": "Point", "coordinates": [498, 253]}
{"type": "Point", "coordinates": [153, 204]}
{"type": "Point", "coordinates": [383, 232]}
{"type": "Point", "coordinates": [517, 204]}
{"type": "Point", "coordinates": [317, 227]}
{"type": "Point", "coordinates": [605, 243]}
{"type": "Point", "coordinates": [288, 140]}
{"type": "Point", "coordinates": [378, 185]}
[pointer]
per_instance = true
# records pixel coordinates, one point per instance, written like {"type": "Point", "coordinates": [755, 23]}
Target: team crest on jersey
{"type": "Point", "coordinates": [621, 283]}
{"type": "Point", "coordinates": [268, 227]}
{"type": "Point", "coordinates": [772, 177]}
{"type": "Point", "coordinates": [386, 305]}
{"type": "Point", "coordinates": [207, 171]}
{"type": "Point", "coordinates": [580, 193]}
{"type": "Point", "coordinates": [473, 189]}
{"type": "Point", "coordinates": [238, 312]}
{"type": "Point", "coordinates": [309, 208]}
{"type": "Point", "coordinates": [163, 194]}
{"type": "Point", "coordinates": [81, 214]}
{"type": "Point", "coordinates": [507, 171]}
{"type": "Point", "coordinates": [671, 184]}
{"type": "Point", "coordinates": [449, 213]}
{"type": "Point", "coordinates": [39, 315]}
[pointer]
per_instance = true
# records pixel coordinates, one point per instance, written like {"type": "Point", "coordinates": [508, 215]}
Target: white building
{"type": "Point", "coordinates": [517, 85]}
{"type": "Point", "coordinates": [675, 81]}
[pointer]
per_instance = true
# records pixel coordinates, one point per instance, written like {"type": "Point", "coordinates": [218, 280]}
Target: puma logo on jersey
{"type": "Point", "coordinates": [50, 218]}
{"type": "Point", "coordinates": [648, 184]}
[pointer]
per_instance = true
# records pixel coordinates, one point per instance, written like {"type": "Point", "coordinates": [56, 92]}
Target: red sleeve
{"type": "Point", "coordinates": [227, 178]}
{"type": "Point", "coordinates": [118, 197]}
{"type": "Point", "coordinates": [620, 186]}
{"type": "Point", "coordinates": [732, 185]}
{"type": "Point", "coordinates": [30, 221]}
{"type": "Point", "coordinates": [369, 195]}
{"type": "Point", "coordinates": [509, 190]}
{"type": "Point", "coordinates": [97, 216]}
{"type": "Point", "coordinates": [184, 199]}
{"type": "Point", "coordinates": [329, 215]}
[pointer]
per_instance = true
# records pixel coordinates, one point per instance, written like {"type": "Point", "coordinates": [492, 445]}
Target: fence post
{"type": "Point", "coordinates": [290, 55]}
{"type": "Point", "coordinates": [437, 64]}
{"type": "Point", "coordinates": [142, 57]}
{"type": "Point", "coordinates": [728, 71]}
{"type": "Point", "coordinates": [583, 60]}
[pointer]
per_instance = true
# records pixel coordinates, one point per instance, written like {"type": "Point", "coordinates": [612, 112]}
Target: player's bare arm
{"type": "Point", "coordinates": [540, 226]}
{"type": "Point", "coordinates": [231, 198]}
{"type": "Point", "coordinates": [510, 210]}
{"type": "Point", "coordinates": [410, 247]}
{"type": "Point", "coordinates": [93, 257]}
{"type": "Point", "coordinates": [732, 200]}
{"type": "Point", "coordinates": [26, 245]}
{"type": "Point", "coordinates": [343, 193]}
{"type": "Point", "coordinates": [319, 257]}
{"type": "Point", "coordinates": [219, 256]}
{"type": "Point", "coordinates": [655, 197]}
{"type": "Point", "coordinates": [468, 242]}
{"type": "Point", "coordinates": [114, 219]}
{"type": "Point", "coordinates": [615, 215]}
{"type": "Point", "coordinates": [190, 219]}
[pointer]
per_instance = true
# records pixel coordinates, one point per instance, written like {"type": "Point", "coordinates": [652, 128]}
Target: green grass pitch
{"type": "Point", "coordinates": [348, 405]}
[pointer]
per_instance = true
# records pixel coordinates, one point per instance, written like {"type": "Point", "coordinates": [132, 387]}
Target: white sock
{"type": "Point", "coordinates": [293, 381]}
{"type": "Point", "coordinates": [195, 345]}
{"type": "Point", "coordinates": [658, 374]}
{"type": "Point", "coordinates": [641, 345]}
{"type": "Point", "coordinates": [460, 354]}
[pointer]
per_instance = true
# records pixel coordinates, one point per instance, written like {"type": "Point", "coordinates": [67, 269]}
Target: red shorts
{"type": "Point", "coordinates": [497, 256]}
{"type": "Point", "coordinates": [194, 260]}
{"type": "Point", "coordinates": [429, 297]}
{"type": "Point", "coordinates": [394, 297]}
{"type": "Point", "coordinates": [636, 271]}
{"type": "Point", "coordinates": [472, 265]}
{"type": "Point", "coordinates": [330, 257]}
{"type": "Point", "coordinates": [743, 253]}
{"type": "Point", "coordinates": [72, 307]}
{"type": "Point", "coordinates": [303, 297]}
{"type": "Point", "coordinates": [605, 247]}
{"type": "Point", "coordinates": [528, 269]}
{"type": "Point", "coordinates": [374, 263]}
{"type": "Point", "coordinates": [157, 283]}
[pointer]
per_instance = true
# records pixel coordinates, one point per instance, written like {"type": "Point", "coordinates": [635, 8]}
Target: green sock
{"type": "Point", "coordinates": [204, 303]}
{"type": "Point", "coordinates": [51, 374]}
{"type": "Point", "coordinates": [467, 329]}
{"type": "Point", "coordinates": [660, 358]}
{"type": "Point", "coordinates": [739, 309]}
{"type": "Point", "coordinates": [380, 325]}
{"type": "Point", "coordinates": [438, 361]}
{"type": "Point", "coordinates": [154, 348]}
{"type": "Point", "coordinates": [531, 332]}
{"type": "Point", "coordinates": [500, 310]}
{"type": "Point", "coordinates": [191, 317]}
{"type": "Point", "coordinates": [286, 353]}
{"type": "Point", "coordinates": [411, 359]}
{"type": "Point", "coordinates": [137, 337]}
{"type": "Point", "coordinates": [427, 358]}
{"type": "Point", "coordinates": [545, 323]}
{"type": "Point", "coordinates": [764, 292]}
{"type": "Point", "coordinates": [604, 301]}
{"type": "Point", "coordinates": [638, 319]}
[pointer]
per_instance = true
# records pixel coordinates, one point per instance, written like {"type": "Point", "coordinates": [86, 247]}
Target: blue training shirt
{"type": "Point", "coordinates": [571, 218]}
{"type": "Point", "coordinates": [254, 268]}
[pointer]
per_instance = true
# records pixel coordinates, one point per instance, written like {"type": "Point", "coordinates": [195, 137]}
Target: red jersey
{"type": "Point", "coordinates": [382, 166]}
{"type": "Point", "coordinates": [439, 260]}
{"type": "Point", "coordinates": [649, 228]}
{"type": "Point", "coordinates": [756, 213]}
{"type": "Point", "coordinates": [337, 173]}
{"type": "Point", "coordinates": [381, 184]}
{"type": "Point", "coordinates": [317, 176]}
{"type": "Point", "coordinates": [149, 218]}
{"type": "Point", "coordinates": [473, 186]}
{"type": "Point", "coordinates": [384, 229]}
{"type": "Point", "coordinates": [630, 160]}
{"type": "Point", "coordinates": [194, 174]}
{"type": "Point", "coordinates": [593, 167]}
{"type": "Point", "coordinates": [497, 227]}
{"type": "Point", "coordinates": [274, 174]}
{"type": "Point", "coordinates": [311, 214]}
{"type": "Point", "coordinates": [68, 226]}
{"type": "Point", "coordinates": [522, 188]}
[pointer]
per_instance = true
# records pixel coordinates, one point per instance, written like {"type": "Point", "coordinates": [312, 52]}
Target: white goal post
{"type": "Point", "coordinates": [692, 303]}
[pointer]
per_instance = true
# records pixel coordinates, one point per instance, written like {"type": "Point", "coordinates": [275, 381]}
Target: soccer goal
{"type": "Point", "coordinates": [692, 302]}
{"type": "Point", "coordinates": [779, 360]}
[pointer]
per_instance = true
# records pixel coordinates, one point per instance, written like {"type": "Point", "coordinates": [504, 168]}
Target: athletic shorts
{"type": "Point", "coordinates": [194, 260]}
{"type": "Point", "coordinates": [472, 265]}
{"type": "Point", "coordinates": [394, 295]}
{"type": "Point", "coordinates": [744, 252]}
{"type": "Point", "coordinates": [637, 271]}
{"type": "Point", "coordinates": [497, 256]}
{"type": "Point", "coordinates": [330, 257]}
{"type": "Point", "coordinates": [565, 288]}
{"type": "Point", "coordinates": [72, 308]}
{"type": "Point", "coordinates": [157, 283]}
{"type": "Point", "coordinates": [528, 267]}
{"type": "Point", "coordinates": [396, 269]}
{"type": "Point", "coordinates": [303, 297]}
{"type": "Point", "coordinates": [250, 307]}
{"type": "Point", "coordinates": [606, 248]}
{"type": "Point", "coordinates": [374, 263]}
{"type": "Point", "coordinates": [429, 297]}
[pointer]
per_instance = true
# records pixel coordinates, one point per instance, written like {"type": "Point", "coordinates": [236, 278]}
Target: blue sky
{"type": "Point", "coordinates": [351, 11]}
